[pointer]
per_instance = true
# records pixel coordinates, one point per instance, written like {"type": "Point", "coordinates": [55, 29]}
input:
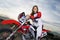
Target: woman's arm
{"type": "Point", "coordinates": [32, 17]}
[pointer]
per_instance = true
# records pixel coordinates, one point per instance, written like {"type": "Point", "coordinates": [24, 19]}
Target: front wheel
{"type": "Point", "coordinates": [4, 33]}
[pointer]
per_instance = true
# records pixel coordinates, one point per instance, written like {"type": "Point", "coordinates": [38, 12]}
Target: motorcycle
{"type": "Point", "coordinates": [23, 29]}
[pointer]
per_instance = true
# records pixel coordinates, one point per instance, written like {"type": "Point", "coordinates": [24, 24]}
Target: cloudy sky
{"type": "Point", "coordinates": [50, 10]}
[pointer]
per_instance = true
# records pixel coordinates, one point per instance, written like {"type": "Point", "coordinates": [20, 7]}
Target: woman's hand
{"type": "Point", "coordinates": [27, 17]}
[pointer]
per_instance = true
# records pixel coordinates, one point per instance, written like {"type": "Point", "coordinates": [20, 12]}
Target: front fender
{"type": "Point", "coordinates": [10, 22]}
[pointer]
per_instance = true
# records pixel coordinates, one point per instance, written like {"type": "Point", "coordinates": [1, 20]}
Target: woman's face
{"type": "Point", "coordinates": [35, 9]}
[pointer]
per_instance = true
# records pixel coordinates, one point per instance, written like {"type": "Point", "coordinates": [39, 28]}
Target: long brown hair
{"type": "Point", "coordinates": [32, 13]}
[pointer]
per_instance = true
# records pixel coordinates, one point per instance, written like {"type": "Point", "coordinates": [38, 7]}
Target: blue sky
{"type": "Point", "coordinates": [50, 10]}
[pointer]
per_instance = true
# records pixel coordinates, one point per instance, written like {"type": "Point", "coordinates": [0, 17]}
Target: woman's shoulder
{"type": "Point", "coordinates": [39, 12]}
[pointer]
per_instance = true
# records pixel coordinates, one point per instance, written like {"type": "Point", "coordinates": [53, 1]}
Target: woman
{"type": "Point", "coordinates": [37, 23]}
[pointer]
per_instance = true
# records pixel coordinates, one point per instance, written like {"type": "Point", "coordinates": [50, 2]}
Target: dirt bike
{"type": "Point", "coordinates": [23, 29]}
